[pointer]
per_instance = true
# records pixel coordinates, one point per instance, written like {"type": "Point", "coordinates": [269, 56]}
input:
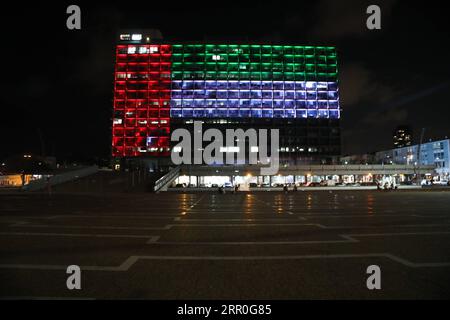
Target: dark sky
{"type": "Point", "coordinates": [58, 83]}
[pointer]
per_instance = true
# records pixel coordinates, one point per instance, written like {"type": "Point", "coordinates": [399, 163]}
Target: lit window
{"type": "Point", "coordinates": [229, 149]}
{"type": "Point", "coordinates": [124, 37]}
{"type": "Point", "coordinates": [254, 149]}
{"type": "Point", "coordinates": [177, 149]}
{"type": "Point", "coordinates": [117, 121]}
{"type": "Point", "coordinates": [131, 50]}
{"type": "Point", "coordinates": [216, 57]}
{"type": "Point", "coordinates": [136, 37]}
{"type": "Point", "coordinates": [143, 50]}
{"type": "Point", "coordinates": [153, 49]}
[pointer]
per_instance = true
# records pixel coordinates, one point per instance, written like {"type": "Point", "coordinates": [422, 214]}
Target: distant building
{"type": "Point", "coordinates": [431, 153]}
{"type": "Point", "coordinates": [402, 137]}
{"type": "Point", "coordinates": [367, 158]}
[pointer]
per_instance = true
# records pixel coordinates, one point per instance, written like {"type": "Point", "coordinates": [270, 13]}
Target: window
{"type": "Point", "coordinates": [136, 37]}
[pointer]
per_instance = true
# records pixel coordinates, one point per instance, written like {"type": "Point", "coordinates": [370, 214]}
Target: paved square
{"type": "Point", "coordinates": [262, 245]}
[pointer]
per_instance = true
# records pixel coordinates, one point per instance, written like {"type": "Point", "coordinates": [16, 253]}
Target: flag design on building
{"type": "Point", "coordinates": [157, 82]}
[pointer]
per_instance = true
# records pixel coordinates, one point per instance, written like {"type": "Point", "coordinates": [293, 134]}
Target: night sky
{"type": "Point", "coordinates": [58, 83]}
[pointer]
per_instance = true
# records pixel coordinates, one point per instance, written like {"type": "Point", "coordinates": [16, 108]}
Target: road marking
{"type": "Point", "coordinates": [130, 261]}
{"type": "Point", "coordinates": [347, 238]}
{"type": "Point", "coordinates": [44, 298]}
{"type": "Point", "coordinates": [209, 225]}
{"type": "Point", "coordinates": [153, 217]}
{"type": "Point", "coordinates": [166, 227]}
{"type": "Point", "coordinates": [151, 239]}
{"type": "Point", "coordinates": [236, 219]}
{"type": "Point", "coordinates": [192, 206]}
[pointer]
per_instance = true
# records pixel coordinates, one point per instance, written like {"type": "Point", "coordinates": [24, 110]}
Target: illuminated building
{"type": "Point", "coordinates": [160, 87]}
{"type": "Point", "coordinates": [402, 137]}
{"type": "Point", "coordinates": [435, 153]}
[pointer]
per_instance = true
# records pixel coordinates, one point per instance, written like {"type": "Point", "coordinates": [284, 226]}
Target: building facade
{"type": "Point", "coordinates": [435, 153]}
{"type": "Point", "coordinates": [160, 87]}
{"type": "Point", "coordinates": [402, 137]}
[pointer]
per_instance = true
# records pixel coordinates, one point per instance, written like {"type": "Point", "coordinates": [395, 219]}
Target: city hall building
{"type": "Point", "coordinates": [161, 86]}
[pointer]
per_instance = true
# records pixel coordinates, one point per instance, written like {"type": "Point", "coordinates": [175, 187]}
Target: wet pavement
{"type": "Point", "coordinates": [262, 245]}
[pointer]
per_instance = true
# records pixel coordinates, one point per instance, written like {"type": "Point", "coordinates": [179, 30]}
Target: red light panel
{"type": "Point", "coordinates": [141, 123]}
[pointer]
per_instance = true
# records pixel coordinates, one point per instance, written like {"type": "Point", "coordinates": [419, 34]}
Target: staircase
{"type": "Point", "coordinates": [165, 181]}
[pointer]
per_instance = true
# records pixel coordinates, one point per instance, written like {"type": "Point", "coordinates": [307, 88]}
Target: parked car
{"type": "Point", "coordinates": [228, 185]}
{"type": "Point", "coordinates": [314, 184]}
{"type": "Point", "coordinates": [253, 185]}
{"type": "Point", "coordinates": [442, 182]}
{"type": "Point", "coordinates": [277, 185]}
{"type": "Point", "coordinates": [179, 185]}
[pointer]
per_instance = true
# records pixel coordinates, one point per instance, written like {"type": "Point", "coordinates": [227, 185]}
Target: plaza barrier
{"type": "Point", "coordinates": [60, 178]}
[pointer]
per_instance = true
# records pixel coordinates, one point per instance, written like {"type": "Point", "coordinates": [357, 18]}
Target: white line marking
{"type": "Point", "coordinates": [206, 225]}
{"type": "Point", "coordinates": [130, 261]}
{"type": "Point", "coordinates": [166, 227]}
{"type": "Point", "coordinates": [348, 238]}
{"type": "Point", "coordinates": [47, 234]}
{"type": "Point", "coordinates": [192, 206]}
{"type": "Point", "coordinates": [44, 298]}
{"type": "Point", "coordinates": [245, 225]}
{"type": "Point", "coordinates": [237, 219]}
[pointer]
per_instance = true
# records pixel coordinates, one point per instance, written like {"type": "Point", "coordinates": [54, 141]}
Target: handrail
{"type": "Point", "coordinates": [167, 178]}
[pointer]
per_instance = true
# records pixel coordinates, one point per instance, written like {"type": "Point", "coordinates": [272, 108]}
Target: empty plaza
{"type": "Point", "coordinates": [206, 245]}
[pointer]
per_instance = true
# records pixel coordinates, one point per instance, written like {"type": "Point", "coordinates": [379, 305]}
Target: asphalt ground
{"type": "Point", "coordinates": [262, 245]}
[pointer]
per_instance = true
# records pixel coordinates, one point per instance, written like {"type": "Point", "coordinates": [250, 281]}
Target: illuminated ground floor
{"type": "Point", "coordinates": [248, 176]}
{"type": "Point", "coordinates": [18, 180]}
{"type": "Point", "coordinates": [250, 181]}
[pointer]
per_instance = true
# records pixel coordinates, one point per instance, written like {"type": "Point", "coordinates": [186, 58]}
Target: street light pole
{"type": "Point", "coordinates": [418, 156]}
